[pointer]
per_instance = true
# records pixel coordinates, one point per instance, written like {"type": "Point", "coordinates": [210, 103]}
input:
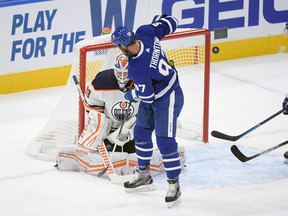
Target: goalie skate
{"type": "Point", "coordinates": [173, 194]}
{"type": "Point", "coordinates": [140, 183]}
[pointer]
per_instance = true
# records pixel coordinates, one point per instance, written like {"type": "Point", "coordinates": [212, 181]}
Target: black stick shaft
{"type": "Point", "coordinates": [220, 135]}
{"type": "Point", "coordinates": [243, 158]}
{"type": "Point", "coordinates": [78, 88]}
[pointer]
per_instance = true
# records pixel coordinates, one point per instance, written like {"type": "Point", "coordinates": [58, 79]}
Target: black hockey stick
{"type": "Point", "coordinates": [220, 135]}
{"type": "Point", "coordinates": [78, 88]}
{"type": "Point", "coordinates": [238, 154]}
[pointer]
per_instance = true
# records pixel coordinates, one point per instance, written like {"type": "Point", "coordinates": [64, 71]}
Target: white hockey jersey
{"type": "Point", "coordinates": [104, 95]}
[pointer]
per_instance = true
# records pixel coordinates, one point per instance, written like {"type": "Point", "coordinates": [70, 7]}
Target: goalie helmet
{"type": "Point", "coordinates": [121, 70]}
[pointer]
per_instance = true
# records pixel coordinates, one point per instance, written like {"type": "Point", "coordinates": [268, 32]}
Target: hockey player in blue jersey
{"type": "Point", "coordinates": [161, 99]}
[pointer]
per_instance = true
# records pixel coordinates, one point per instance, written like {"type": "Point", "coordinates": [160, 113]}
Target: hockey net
{"type": "Point", "coordinates": [190, 51]}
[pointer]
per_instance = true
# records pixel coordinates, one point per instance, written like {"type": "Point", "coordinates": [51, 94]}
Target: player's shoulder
{"type": "Point", "coordinates": [105, 80]}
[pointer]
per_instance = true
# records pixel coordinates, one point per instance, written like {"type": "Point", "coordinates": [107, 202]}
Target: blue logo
{"type": "Point", "coordinates": [113, 13]}
{"type": "Point", "coordinates": [194, 15]}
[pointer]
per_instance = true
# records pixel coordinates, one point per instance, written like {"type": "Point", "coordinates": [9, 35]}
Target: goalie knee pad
{"type": "Point", "coordinates": [96, 129]}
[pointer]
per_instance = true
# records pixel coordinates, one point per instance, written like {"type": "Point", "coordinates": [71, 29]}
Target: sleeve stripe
{"type": "Point", "coordinates": [170, 24]}
{"type": "Point", "coordinates": [147, 97]}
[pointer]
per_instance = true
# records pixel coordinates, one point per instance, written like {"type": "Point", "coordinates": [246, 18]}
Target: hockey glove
{"type": "Point", "coordinates": [123, 135]}
{"type": "Point", "coordinates": [158, 17]}
{"type": "Point", "coordinates": [131, 95]}
{"type": "Point", "coordinates": [285, 106]}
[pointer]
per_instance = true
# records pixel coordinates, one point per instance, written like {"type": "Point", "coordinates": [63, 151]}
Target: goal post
{"type": "Point", "coordinates": [201, 58]}
{"type": "Point", "coordinates": [188, 48]}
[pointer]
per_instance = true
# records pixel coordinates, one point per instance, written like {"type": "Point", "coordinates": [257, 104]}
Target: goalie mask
{"type": "Point", "coordinates": [121, 70]}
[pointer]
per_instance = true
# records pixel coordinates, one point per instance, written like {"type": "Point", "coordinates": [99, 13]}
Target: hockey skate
{"type": "Point", "coordinates": [286, 157]}
{"type": "Point", "coordinates": [173, 194]}
{"type": "Point", "coordinates": [141, 183]}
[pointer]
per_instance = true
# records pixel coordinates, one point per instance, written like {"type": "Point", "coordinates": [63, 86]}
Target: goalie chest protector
{"type": "Point", "coordinates": [106, 93]}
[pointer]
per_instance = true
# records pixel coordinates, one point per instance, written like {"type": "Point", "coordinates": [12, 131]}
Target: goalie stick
{"type": "Point", "coordinates": [238, 154]}
{"type": "Point", "coordinates": [101, 173]}
{"type": "Point", "coordinates": [125, 119]}
{"type": "Point", "coordinates": [220, 135]}
{"type": "Point", "coordinates": [113, 176]}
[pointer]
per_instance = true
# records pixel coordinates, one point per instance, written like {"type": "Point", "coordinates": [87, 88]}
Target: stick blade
{"type": "Point", "coordinates": [220, 135]}
{"type": "Point", "coordinates": [103, 171]}
{"type": "Point", "coordinates": [238, 154]}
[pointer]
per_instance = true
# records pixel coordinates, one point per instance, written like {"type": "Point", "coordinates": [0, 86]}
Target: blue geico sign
{"type": "Point", "coordinates": [195, 13]}
{"type": "Point", "coordinates": [250, 12]}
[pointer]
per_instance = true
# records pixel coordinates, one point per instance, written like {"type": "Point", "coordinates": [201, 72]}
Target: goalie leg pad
{"type": "Point", "coordinates": [72, 161]}
{"type": "Point", "coordinates": [96, 129]}
{"type": "Point", "coordinates": [92, 164]}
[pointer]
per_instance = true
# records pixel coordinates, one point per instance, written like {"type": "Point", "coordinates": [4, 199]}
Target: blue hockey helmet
{"type": "Point", "coordinates": [122, 35]}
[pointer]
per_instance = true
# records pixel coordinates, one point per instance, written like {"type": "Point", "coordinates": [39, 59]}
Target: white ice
{"type": "Point", "coordinates": [243, 93]}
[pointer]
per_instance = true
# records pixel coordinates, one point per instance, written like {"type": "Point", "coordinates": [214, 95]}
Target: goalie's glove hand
{"type": "Point", "coordinates": [158, 17]}
{"type": "Point", "coordinates": [285, 106]}
{"type": "Point", "coordinates": [121, 139]}
{"type": "Point", "coordinates": [126, 134]}
{"type": "Point", "coordinates": [131, 95]}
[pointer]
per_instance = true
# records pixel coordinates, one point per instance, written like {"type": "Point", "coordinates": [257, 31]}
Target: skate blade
{"type": "Point", "coordinates": [143, 188]}
{"type": "Point", "coordinates": [174, 204]}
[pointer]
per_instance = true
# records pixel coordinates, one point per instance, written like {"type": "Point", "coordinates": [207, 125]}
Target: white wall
{"type": "Point", "coordinates": [33, 35]}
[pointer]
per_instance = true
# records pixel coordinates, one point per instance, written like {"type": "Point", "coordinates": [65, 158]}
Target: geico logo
{"type": "Point", "coordinates": [232, 14]}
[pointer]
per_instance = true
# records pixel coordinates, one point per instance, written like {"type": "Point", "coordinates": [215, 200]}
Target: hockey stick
{"type": "Point", "coordinates": [125, 119]}
{"type": "Point", "coordinates": [113, 176]}
{"type": "Point", "coordinates": [220, 135]}
{"type": "Point", "coordinates": [78, 88]}
{"type": "Point", "coordinates": [107, 166]}
{"type": "Point", "coordinates": [238, 154]}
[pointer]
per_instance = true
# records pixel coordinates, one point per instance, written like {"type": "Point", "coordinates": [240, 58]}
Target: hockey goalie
{"type": "Point", "coordinates": [107, 141]}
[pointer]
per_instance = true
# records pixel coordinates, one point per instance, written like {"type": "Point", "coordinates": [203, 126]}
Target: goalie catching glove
{"type": "Point", "coordinates": [123, 135]}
